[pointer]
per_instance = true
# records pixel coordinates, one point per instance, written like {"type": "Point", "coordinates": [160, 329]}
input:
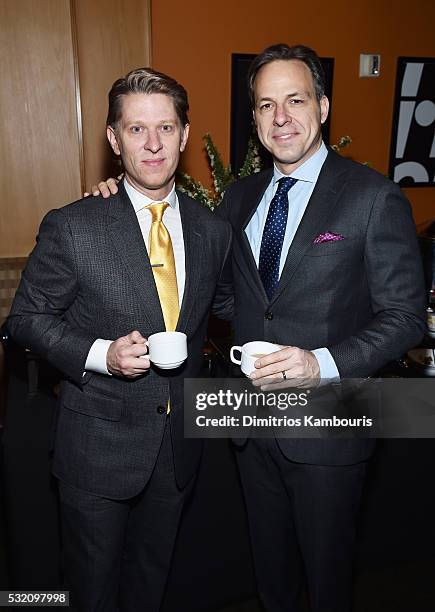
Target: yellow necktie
{"type": "Point", "coordinates": [163, 264]}
{"type": "Point", "coordinates": [162, 261]}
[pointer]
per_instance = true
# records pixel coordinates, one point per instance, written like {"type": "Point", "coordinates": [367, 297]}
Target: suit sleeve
{"type": "Point", "coordinates": [394, 272]}
{"type": "Point", "coordinates": [49, 285]}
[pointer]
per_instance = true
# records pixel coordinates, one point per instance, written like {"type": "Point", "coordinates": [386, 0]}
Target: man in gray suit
{"type": "Point", "coordinates": [88, 300]}
{"type": "Point", "coordinates": [325, 263]}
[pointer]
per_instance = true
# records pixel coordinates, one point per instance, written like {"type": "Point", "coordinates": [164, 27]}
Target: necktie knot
{"type": "Point", "coordinates": [157, 211]}
{"type": "Point", "coordinates": [285, 184]}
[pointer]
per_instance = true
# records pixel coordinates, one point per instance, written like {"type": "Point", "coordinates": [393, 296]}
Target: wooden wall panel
{"type": "Point", "coordinates": [113, 37]}
{"type": "Point", "coordinates": [39, 146]}
{"type": "Point", "coordinates": [10, 274]}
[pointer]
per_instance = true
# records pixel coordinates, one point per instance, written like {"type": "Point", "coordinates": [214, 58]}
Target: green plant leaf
{"type": "Point", "coordinates": [252, 163]}
{"type": "Point", "coordinates": [222, 175]}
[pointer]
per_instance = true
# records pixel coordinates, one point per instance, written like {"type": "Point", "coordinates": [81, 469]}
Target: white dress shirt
{"type": "Point", "coordinates": [299, 195]}
{"type": "Point", "coordinates": [96, 360]}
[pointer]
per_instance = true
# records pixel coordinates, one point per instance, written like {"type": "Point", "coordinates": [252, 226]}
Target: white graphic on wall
{"type": "Point", "coordinates": [412, 160]}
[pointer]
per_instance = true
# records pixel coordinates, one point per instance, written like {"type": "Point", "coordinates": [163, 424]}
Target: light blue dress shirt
{"type": "Point", "coordinates": [299, 195]}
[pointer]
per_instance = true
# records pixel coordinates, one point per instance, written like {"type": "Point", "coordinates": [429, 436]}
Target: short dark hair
{"type": "Point", "coordinates": [147, 81]}
{"type": "Point", "coordinates": [284, 52]}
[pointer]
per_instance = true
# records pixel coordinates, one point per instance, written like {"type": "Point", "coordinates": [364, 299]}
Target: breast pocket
{"type": "Point", "coordinates": [333, 247]}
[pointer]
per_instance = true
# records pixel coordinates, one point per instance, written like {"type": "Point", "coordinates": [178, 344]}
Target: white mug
{"type": "Point", "coordinates": [250, 352]}
{"type": "Point", "coordinates": [167, 350]}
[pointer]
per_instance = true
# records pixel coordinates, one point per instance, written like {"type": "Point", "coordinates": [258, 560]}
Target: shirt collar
{"type": "Point", "coordinates": [309, 171]}
{"type": "Point", "coordinates": [140, 200]}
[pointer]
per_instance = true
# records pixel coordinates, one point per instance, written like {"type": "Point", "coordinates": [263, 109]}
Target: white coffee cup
{"type": "Point", "coordinates": [167, 350]}
{"type": "Point", "coordinates": [250, 352]}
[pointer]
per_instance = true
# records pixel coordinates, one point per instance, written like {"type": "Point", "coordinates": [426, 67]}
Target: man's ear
{"type": "Point", "coordinates": [184, 137]}
{"type": "Point", "coordinates": [324, 109]}
{"type": "Point", "coordinates": [111, 137]}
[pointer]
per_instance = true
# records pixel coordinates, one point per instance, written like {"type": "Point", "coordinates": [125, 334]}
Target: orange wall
{"type": "Point", "coordinates": [193, 41]}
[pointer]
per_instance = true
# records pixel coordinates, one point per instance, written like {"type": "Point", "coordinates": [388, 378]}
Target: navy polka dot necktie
{"type": "Point", "coordinates": [273, 236]}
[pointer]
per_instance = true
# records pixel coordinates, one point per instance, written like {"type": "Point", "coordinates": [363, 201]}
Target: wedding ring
{"type": "Point", "coordinates": [284, 376]}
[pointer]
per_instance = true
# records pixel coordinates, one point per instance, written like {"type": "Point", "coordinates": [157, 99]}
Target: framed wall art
{"type": "Point", "coordinates": [412, 153]}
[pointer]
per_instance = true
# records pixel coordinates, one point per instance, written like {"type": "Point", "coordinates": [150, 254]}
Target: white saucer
{"type": "Point", "coordinates": [168, 366]}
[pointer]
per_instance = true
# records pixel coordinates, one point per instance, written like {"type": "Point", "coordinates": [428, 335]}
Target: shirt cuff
{"type": "Point", "coordinates": [97, 356]}
{"type": "Point", "coordinates": [328, 369]}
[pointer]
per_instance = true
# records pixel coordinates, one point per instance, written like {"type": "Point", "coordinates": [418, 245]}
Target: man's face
{"type": "Point", "coordinates": [149, 138]}
{"type": "Point", "coordinates": [287, 113]}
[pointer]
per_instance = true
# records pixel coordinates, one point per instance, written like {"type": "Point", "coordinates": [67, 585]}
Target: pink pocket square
{"type": "Point", "coordinates": [327, 237]}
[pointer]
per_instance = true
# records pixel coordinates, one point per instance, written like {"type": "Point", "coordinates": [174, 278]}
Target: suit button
{"type": "Point", "coordinates": [268, 315]}
{"type": "Point", "coordinates": [161, 410]}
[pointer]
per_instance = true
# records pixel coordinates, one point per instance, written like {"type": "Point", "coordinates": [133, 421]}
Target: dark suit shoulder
{"type": "Point", "coordinates": [337, 164]}
{"type": "Point", "coordinates": [236, 192]}
{"type": "Point", "coordinates": [83, 210]}
{"type": "Point", "coordinates": [201, 212]}
{"type": "Point", "coordinates": [250, 182]}
{"type": "Point", "coordinates": [89, 206]}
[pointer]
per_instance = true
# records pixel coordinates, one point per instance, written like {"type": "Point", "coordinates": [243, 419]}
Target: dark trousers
{"type": "Point", "coordinates": [117, 553]}
{"type": "Point", "coordinates": [301, 521]}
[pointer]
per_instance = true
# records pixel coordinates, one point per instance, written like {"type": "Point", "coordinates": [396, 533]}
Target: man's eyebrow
{"type": "Point", "coordinates": [131, 121]}
{"type": "Point", "coordinates": [142, 122]}
{"type": "Point", "coordinates": [293, 94]}
{"type": "Point", "coordinates": [299, 93]}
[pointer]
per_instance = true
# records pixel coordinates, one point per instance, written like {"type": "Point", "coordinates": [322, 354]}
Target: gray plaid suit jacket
{"type": "Point", "coordinates": [89, 277]}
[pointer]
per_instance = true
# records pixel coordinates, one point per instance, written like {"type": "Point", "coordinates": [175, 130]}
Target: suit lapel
{"type": "Point", "coordinates": [193, 260]}
{"type": "Point", "coordinates": [124, 230]}
{"type": "Point", "coordinates": [248, 206]}
{"type": "Point", "coordinates": [320, 205]}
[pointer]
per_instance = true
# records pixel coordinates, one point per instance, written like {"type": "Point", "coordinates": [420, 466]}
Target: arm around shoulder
{"type": "Point", "coordinates": [223, 304]}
